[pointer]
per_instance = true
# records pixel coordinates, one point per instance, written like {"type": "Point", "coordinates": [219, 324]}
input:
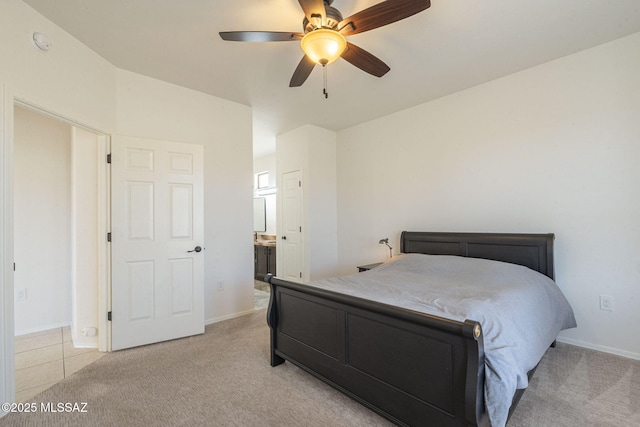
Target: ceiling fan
{"type": "Point", "coordinates": [323, 40]}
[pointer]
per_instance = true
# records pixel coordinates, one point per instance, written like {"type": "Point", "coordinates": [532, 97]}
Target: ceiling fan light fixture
{"type": "Point", "coordinates": [323, 46]}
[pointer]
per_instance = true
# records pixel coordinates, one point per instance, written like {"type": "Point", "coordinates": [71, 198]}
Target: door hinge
{"type": "Point", "coordinates": [301, 274]}
{"type": "Point", "coordinates": [299, 183]}
{"type": "Point", "coordinates": [109, 237]}
{"type": "Point", "coordinates": [301, 229]}
{"type": "Point", "coordinates": [14, 266]}
{"type": "Point", "coordinates": [109, 316]}
{"type": "Point", "coordinates": [109, 158]}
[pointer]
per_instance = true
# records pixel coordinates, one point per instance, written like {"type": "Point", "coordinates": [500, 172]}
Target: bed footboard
{"type": "Point", "coordinates": [412, 368]}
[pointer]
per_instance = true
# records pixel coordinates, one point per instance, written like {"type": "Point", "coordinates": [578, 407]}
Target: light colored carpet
{"type": "Point", "coordinates": [223, 378]}
{"type": "Point", "coordinates": [574, 386]}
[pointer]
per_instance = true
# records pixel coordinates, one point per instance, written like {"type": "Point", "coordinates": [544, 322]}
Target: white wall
{"type": "Point", "coordinates": [551, 149]}
{"type": "Point", "coordinates": [155, 109]}
{"type": "Point", "coordinates": [312, 150]}
{"type": "Point", "coordinates": [75, 83]}
{"type": "Point", "coordinates": [81, 86]}
{"type": "Point", "coordinates": [70, 80]}
{"type": "Point", "coordinates": [42, 224]}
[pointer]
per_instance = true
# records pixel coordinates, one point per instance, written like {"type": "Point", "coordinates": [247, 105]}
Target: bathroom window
{"type": "Point", "coordinates": [263, 180]}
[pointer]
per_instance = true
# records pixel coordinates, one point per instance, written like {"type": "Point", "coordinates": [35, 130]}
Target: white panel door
{"type": "Point", "coordinates": [157, 224]}
{"type": "Point", "coordinates": [290, 245]}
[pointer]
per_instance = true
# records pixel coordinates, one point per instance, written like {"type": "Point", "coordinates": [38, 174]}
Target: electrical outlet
{"type": "Point", "coordinates": [220, 285]}
{"type": "Point", "coordinates": [606, 302]}
{"type": "Point", "coordinates": [21, 294]}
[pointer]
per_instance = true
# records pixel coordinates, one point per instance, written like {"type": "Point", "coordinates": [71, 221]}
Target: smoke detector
{"type": "Point", "coordinates": [41, 42]}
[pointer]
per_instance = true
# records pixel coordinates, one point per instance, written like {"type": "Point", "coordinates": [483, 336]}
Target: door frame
{"type": "Point", "coordinates": [7, 364]}
{"type": "Point", "coordinates": [7, 370]}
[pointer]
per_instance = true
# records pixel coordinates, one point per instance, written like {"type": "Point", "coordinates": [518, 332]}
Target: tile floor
{"type": "Point", "coordinates": [261, 292]}
{"type": "Point", "coordinates": [44, 358]}
{"type": "Point", "coordinates": [261, 286]}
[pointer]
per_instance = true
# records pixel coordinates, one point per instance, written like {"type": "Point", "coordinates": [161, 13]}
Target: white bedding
{"type": "Point", "coordinates": [521, 311]}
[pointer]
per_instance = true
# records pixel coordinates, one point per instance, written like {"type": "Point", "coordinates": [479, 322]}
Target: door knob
{"type": "Point", "coordinates": [284, 237]}
{"type": "Point", "coordinates": [196, 249]}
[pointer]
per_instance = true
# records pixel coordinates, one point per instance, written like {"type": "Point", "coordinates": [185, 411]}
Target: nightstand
{"type": "Point", "coordinates": [367, 267]}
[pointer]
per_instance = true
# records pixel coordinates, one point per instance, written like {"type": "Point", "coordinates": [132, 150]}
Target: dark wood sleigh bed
{"type": "Point", "coordinates": [412, 368]}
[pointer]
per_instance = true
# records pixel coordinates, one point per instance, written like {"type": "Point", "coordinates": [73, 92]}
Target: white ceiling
{"type": "Point", "coordinates": [451, 46]}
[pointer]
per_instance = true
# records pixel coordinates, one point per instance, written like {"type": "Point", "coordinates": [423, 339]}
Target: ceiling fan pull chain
{"type": "Point", "coordinates": [324, 78]}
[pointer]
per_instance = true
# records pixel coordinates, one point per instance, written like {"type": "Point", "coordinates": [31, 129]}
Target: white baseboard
{"type": "Point", "coordinates": [230, 316]}
{"type": "Point", "coordinates": [40, 329]}
{"type": "Point", "coordinates": [605, 349]}
{"type": "Point", "coordinates": [84, 342]}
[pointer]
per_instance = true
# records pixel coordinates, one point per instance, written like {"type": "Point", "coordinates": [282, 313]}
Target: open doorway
{"type": "Point", "coordinates": [59, 215]}
{"type": "Point", "coordinates": [264, 227]}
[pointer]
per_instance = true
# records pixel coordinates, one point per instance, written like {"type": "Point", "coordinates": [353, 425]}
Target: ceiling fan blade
{"type": "Point", "coordinates": [381, 14]}
{"type": "Point", "coordinates": [302, 72]}
{"type": "Point", "coordinates": [364, 60]}
{"type": "Point", "coordinates": [313, 10]}
{"type": "Point", "coordinates": [259, 36]}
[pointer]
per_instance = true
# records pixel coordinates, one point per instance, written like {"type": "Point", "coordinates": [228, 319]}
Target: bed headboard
{"type": "Point", "coordinates": [531, 250]}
